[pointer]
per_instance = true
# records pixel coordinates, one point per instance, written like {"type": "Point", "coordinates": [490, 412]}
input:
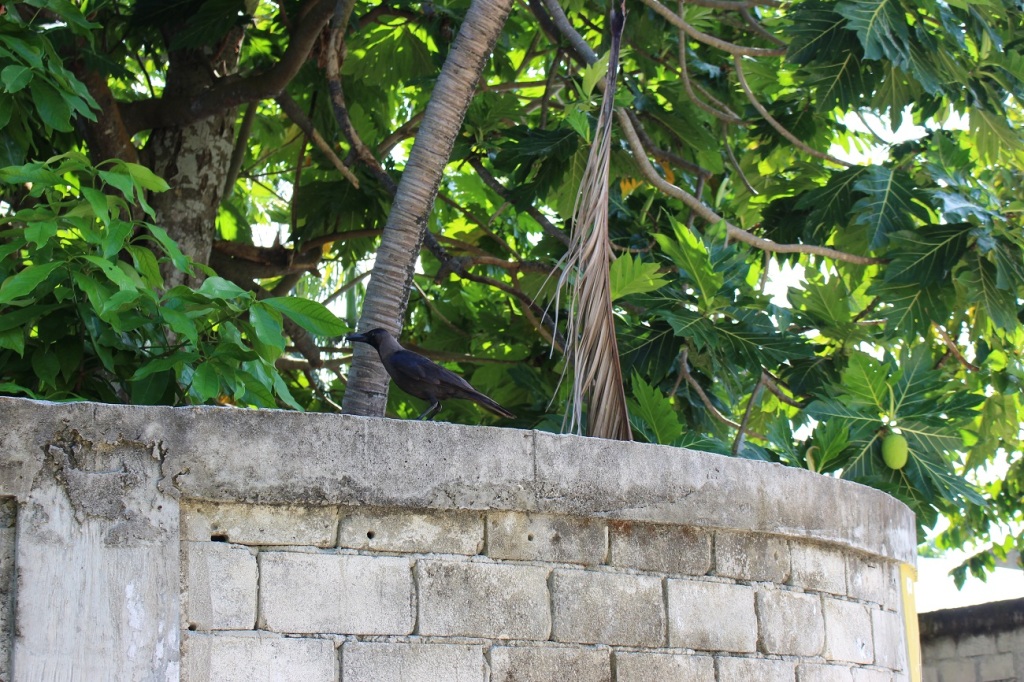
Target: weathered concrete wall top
{"type": "Point", "coordinates": [276, 457]}
{"type": "Point", "coordinates": [151, 543]}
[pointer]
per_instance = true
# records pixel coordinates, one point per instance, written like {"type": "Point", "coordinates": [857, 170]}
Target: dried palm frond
{"type": "Point", "coordinates": [590, 338]}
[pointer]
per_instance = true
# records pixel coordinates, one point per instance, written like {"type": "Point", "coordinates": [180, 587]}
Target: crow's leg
{"type": "Point", "coordinates": [434, 408]}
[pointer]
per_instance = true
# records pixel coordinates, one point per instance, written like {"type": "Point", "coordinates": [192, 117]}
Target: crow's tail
{"type": "Point", "coordinates": [488, 404]}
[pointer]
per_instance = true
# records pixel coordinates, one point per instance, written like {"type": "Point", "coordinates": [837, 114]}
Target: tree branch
{"type": "Point", "coordinates": [587, 56]}
{"type": "Point", "coordinates": [233, 90]}
{"type": "Point", "coordinates": [737, 233]}
{"type": "Point", "coordinates": [663, 154]}
{"type": "Point", "coordinates": [332, 69]}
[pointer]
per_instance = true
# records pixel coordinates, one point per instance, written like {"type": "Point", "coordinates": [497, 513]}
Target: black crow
{"type": "Point", "coordinates": [419, 377]}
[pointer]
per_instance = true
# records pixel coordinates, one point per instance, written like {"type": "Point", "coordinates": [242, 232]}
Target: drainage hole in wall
{"type": "Point", "coordinates": [370, 535]}
{"type": "Point", "coordinates": [192, 627]}
{"type": "Point", "coordinates": [530, 537]}
{"type": "Point", "coordinates": [219, 537]}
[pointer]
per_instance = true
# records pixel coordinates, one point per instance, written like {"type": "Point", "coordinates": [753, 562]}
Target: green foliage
{"type": "Point", "coordinates": [83, 314]}
{"type": "Point", "coordinates": [632, 276]}
{"type": "Point", "coordinates": [39, 96]}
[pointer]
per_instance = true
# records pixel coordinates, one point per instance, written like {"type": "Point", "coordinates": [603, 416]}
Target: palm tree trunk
{"type": "Point", "coordinates": [387, 293]}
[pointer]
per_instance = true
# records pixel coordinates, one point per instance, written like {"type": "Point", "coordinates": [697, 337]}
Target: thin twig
{"type": "Point", "coordinates": [712, 106]}
{"type": "Point", "coordinates": [955, 350]}
{"type": "Point", "coordinates": [432, 308]}
{"type": "Point", "coordinates": [734, 162]}
{"type": "Point", "coordinates": [800, 144]}
{"type": "Point", "coordinates": [299, 118]}
{"type": "Point", "coordinates": [553, 339]}
{"type": "Point", "coordinates": [346, 286]}
{"type": "Point", "coordinates": [711, 40]}
{"type": "Point", "coordinates": [757, 28]}
{"type": "Point", "coordinates": [549, 90]}
{"type": "Point", "coordinates": [763, 284]}
{"type": "Point", "coordinates": [531, 211]}
{"type": "Point", "coordinates": [698, 191]}
{"type": "Point", "coordinates": [238, 153]}
{"type": "Point", "coordinates": [332, 69]}
{"type": "Point", "coordinates": [772, 382]}
{"type": "Point", "coordinates": [868, 309]}
{"type": "Point", "coordinates": [684, 371]}
{"type": "Point", "coordinates": [737, 443]}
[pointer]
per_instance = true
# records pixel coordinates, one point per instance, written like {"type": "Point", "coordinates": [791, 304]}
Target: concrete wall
{"type": "Point", "coordinates": [219, 544]}
{"type": "Point", "coordinates": [983, 643]}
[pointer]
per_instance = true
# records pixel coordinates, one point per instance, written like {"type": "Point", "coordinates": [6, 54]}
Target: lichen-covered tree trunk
{"type": "Point", "coordinates": [194, 157]}
{"type": "Point", "coordinates": [194, 160]}
{"type": "Point", "coordinates": [387, 293]}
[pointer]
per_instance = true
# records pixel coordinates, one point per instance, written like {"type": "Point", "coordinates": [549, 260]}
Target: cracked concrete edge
{"type": "Point", "coordinates": [278, 457]}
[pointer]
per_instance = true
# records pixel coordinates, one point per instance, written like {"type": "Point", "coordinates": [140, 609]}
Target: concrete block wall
{"type": "Point", "coordinates": [983, 643]}
{"type": "Point", "coordinates": [441, 595]}
{"type": "Point", "coordinates": [220, 544]}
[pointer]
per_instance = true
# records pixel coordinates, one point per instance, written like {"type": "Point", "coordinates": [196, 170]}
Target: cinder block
{"type": "Point", "coordinates": [976, 645]}
{"type": "Point", "coordinates": [483, 599]}
{"type": "Point", "coordinates": [817, 568]}
{"type": "Point", "coordinates": [751, 556]}
{"type": "Point", "coordinates": [732, 669]}
{"type": "Point", "coordinates": [544, 664]}
{"type": "Point", "coordinates": [938, 649]}
{"type": "Point", "coordinates": [220, 588]}
{"type": "Point", "coordinates": [890, 642]}
{"type": "Point", "coordinates": [393, 662]}
{"type": "Point", "coordinates": [996, 668]}
{"type": "Point", "coordinates": [257, 658]}
{"type": "Point", "coordinates": [542, 537]}
{"type": "Point", "coordinates": [652, 667]}
{"type": "Point", "coordinates": [711, 616]}
{"type": "Point", "coordinates": [1011, 641]}
{"type": "Point", "coordinates": [871, 675]}
{"type": "Point", "coordinates": [929, 673]}
{"type": "Point", "coordinates": [847, 632]}
{"type": "Point", "coordinates": [958, 670]}
{"type": "Point", "coordinates": [335, 593]}
{"type": "Point", "coordinates": [873, 580]}
{"type": "Point", "coordinates": [790, 623]}
{"type": "Point", "coordinates": [438, 532]}
{"type": "Point", "coordinates": [661, 548]}
{"type": "Point", "coordinates": [607, 608]}
{"type": "Point", "coordinates": [259, 524]}
{"type": "Point", "coordinates": [815, 672]}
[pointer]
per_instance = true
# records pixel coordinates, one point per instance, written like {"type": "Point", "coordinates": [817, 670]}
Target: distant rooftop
{"type": "Point", "coordinates": [979, 619]}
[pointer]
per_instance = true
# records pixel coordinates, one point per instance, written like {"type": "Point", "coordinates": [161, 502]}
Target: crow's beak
{"type": "Point", "coordinates": [357, 337]}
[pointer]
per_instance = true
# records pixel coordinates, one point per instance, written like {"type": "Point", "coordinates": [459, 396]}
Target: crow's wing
{"type": "Point", "coordinates": [418, 376]}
